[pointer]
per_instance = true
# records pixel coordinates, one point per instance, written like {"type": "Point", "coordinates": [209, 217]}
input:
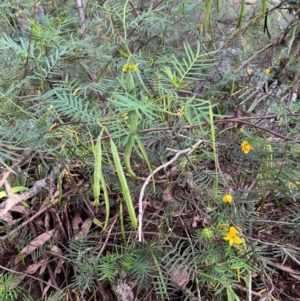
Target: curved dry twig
{"type": "Point", "coordinates": [165, 165]}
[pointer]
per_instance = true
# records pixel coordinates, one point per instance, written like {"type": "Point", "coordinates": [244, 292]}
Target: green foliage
{"type": "Point", "coordinates": [107, 267]}
{"type": "Point", "coordinates": [116, 93]}
{"type": "Point", "coordinates": [138, 266]}
{"type": "Point", "coordinates": [9, 287]}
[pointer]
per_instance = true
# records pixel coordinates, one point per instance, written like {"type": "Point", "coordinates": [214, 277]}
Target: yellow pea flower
{"type": "Point", "coordinates": [249, 71]}
{"type": "Point", "coordinates": [233, 237]}
{"type": "Point", "coordinates": [246, 147]}
{"type": "Point", "coordinates": [125, 116]}
{"type": "Point", "coordinates": [227, 198]}
{"type": "Point", "coordinates": [130, 67]}
{"type": "Point", "coordinates": [267, 71]}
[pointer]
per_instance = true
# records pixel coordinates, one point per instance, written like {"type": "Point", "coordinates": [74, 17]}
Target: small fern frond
{"type": "Point", "coordinates": [86, 274]}
{"type": "Point", "coordinates": [79, 249]}
{"type": "Point", "coordinates": [8, 43]}
{"type": "Point", "coordinates": [190, 68]}
{"type": "Point", "coordinates": [51, 61]}
{"type": "Point", "coordinates": [9, 287]}
{"type": "Point", "coordinates": [107, 267]}
{"type": "Point", "coordinates": [127, 103]}
{"type": "Point", "coordinates": [75, 108]}
{"type": "Point", "coordinates": [138, 267]}
{"type": "Point", "coordinates": [56, 296]}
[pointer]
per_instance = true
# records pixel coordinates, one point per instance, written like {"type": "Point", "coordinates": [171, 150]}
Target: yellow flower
{"type": "Point", "coordinates": [249, 71]}
{"type": "Point", "coordinates": [294, 185]}
{"type": "Point", "coordinates": [181, 111]}
{"type": "Point", "coordinates": [130, 67]}
{"type": "Point", "coordinates": [246, 147]}
{"type": "Point", "coordinates": [232, 237]}
{"type": "Point", "coordinates": [227, 198]}
{"type": "Point", "coordinates": [267, 71]}
{"type": "Point", "coordinates": [125, 116]}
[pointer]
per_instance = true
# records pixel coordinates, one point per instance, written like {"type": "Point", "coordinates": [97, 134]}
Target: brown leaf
{"type": "Point", "coordinates": [59, 261]}
{"type": "Point", "coordinates": [167, 194]}
{"type": "Point", "coordinates": [179, 276]}
{"type": "Point", "coordinates": [56, 249]}
{"type": "Point", "coordinates": [196, 219]}
{"type": "Point", "coordinates": [49, 283]}
{"type": "Point", "coordinates": [19, 209]}
{"type": "Point", "coordinates": [124, 292]}
{"type": "Point", "coordinates": [37, 242]}
{"type": "Point", "coordinates": [295, 276]}
{"type": "Point", "coordinates": [76, 221]}
{"type": "Point", "coordinates": [85, 228]}
{"type": "Point", "coordinates": [4, 177]}
{"type": "Point", "coordinates": [7, 217]}
{"type": "Point", "coordinates": [31, 269]}
{"type": "Point", "coordinates": [42, 269]}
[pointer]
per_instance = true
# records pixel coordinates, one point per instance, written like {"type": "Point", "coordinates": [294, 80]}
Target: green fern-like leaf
{"type": "Point", "coordinates": [138, 267]}
{"type": "Point", "coordinates": [79, 249]}
{"type": "Point", "coordinates": [107, 267]}
{"type": "Point", "coordinates": [74, 107]}
{"type": "Point", "coordinates": [9, 287]}
{"type": "Point", "coordinates": [190, 68]}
